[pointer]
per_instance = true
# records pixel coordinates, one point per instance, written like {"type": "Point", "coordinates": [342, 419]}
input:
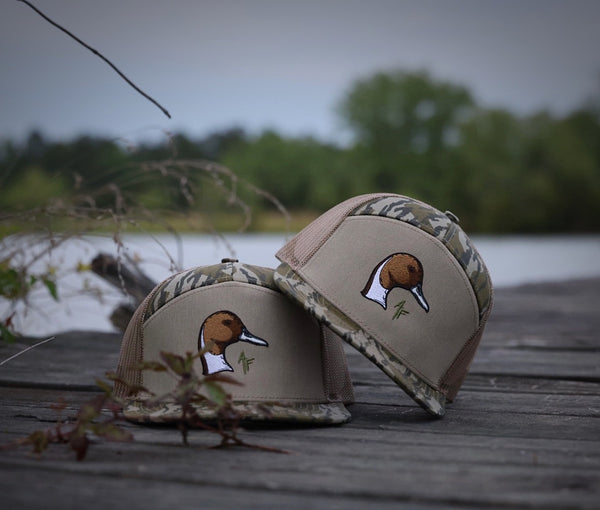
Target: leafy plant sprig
{"type": "Point", "coordinates": [189, 392]}
{"type": "Point", "coordinates": [75, 432]}
{"type": "Point", "coordinates": [192, 391]}
{"type": "Point", "coordinates": [17, 283]}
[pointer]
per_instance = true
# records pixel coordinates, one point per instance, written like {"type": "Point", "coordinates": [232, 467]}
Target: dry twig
{"type": "Point", "coordinates": [98, 54]}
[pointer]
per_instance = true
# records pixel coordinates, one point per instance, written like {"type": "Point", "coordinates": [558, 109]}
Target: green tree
{"type": "Point", "coordinates": [407, 125]}
{"type": "Point", "coordinates": [302, 173]}
{"type": "Point", "coordinates": [489, 177]}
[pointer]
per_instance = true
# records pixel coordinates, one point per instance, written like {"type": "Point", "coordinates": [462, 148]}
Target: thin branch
{"type": "Point", "coordinates": [25, 350]}
{"type": "Point", "coordinates": [98, 54]}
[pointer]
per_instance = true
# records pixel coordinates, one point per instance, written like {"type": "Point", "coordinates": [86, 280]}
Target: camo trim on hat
{"type": "Point", "coordinates": [332, 413]}
{"type": "Point", "coordinates": [172, 314]}
{"type": "Point", "coordinates": [442, 227]}
{"type": "Point", "coordinates": [291, 284]}
{"type": "Point", "coordinates": [198, 277]}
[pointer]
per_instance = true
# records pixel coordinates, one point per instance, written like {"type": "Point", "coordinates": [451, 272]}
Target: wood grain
{"type": "Point", "coordinates": [524, 430]}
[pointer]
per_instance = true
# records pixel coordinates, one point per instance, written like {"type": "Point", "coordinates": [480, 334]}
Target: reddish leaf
{"type": "Point", "coordinates": [59, 405]}
{"type": "Point", "coordinates": [79, 444]}
{"type": "Point", "coordinates": [175, 362]}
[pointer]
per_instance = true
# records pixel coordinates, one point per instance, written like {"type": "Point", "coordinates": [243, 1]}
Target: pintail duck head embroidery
{"type": "Point", "coordinates": [398, 270]}
{"type": "Point", "coordinates": [218, 331]}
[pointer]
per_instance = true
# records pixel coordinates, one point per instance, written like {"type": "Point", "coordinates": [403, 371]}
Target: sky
{"type": "Point", "coordinates": [279, 64]}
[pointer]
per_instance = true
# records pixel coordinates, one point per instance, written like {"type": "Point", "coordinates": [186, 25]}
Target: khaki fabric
{"type": "Point", "coordinates": [288, 369]}
{"type": "Point", "coordinates": [426, 341]}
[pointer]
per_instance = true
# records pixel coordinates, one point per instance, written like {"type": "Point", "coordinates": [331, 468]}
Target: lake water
{"type": "Point", "coordinates": [512, 260]}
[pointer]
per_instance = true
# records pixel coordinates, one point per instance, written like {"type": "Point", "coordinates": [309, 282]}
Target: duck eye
{"type": "Point", "coordinates": [412, 269]}
{"type": "Point", "coordinates": [227, 322]}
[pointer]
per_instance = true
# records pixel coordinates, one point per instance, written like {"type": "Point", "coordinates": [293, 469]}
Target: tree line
{"type": "Point", "coordinates": [410, 134]}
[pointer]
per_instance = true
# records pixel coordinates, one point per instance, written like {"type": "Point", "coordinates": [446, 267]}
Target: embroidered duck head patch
{"type": "Point", "coordinates": [218, 331]}
{"type": "Point", "coordinates": [398, 270]}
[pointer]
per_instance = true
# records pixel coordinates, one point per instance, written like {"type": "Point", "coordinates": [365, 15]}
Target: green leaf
{"type": "Point", "coordinates": [39, 440]}
{"type": "Point", "coordinates": [6, 334]}
{"type": "Point", "coordinates": [154, 366]}
{"type": "Point", "coordinates": [91, 409]}
{"type": "Point", "coordinates": [51, 286]}
{"type": "Point", "coordinates": [104, 386]}
{"type": "Point", "coordinates": [11, 284]}
{"type": "Point", "coordinates": [216, 393]}
{"type": "Point", "coordinates": [111, 432]}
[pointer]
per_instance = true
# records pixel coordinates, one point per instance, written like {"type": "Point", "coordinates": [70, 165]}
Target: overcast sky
{"type": "Point", "coordinates": [279, 64]}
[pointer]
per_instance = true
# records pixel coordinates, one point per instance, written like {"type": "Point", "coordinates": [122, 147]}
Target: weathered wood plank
{"type": "Point", "coordinates": [379, 423]}
{"type": "Point", "coordinates": [80, 491]}
{"type": "Point", "coordinates": [551, 315]}
{"type": "Point", "coordinates": [523, 432]}
{"type": "Point", "coordinates": [383, 475]}
{"type": "Point", "coordinates": [73, 360]}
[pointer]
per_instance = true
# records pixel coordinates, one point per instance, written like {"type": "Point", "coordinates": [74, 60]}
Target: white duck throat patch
{"type": "Point", "coordinates": [397, 270]}
{"type": "Point", "coordinates": [217, 332]}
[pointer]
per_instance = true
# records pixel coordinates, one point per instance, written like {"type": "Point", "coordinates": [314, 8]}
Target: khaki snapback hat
{"type": "Point", "coordinates": [290, 367]}
{"type": "Point", "coordinates": [401, 282]}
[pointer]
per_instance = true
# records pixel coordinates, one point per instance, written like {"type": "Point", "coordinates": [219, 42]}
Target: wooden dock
{"type": "Point", "coordinates": [524, 431]}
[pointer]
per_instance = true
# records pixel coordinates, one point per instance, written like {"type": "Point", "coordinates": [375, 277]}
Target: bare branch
{"type": "Point", "coordinates": [27, 349]}
{"type": "Point", "coordinates": [97, 53]}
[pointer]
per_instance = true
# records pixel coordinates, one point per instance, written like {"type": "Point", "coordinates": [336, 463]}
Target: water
{"type": "Point", "coordinates": [86, 300]}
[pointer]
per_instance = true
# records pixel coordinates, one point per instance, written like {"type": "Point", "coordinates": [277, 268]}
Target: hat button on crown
{"type": "Point", "coordinates": [453, 218]}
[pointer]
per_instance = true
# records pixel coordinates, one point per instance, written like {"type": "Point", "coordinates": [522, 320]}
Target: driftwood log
{"type": "Point", "coordinates": [126, 275]}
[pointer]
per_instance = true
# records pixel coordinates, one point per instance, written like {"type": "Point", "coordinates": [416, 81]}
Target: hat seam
{"type": "Point", "coordinates": [198, 290]}
{"type": "Point", "coordinates": [321, 395]}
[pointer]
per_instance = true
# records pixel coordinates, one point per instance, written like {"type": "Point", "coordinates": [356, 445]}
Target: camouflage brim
{"type": "Point", "coordinates": [291, 284]}
{"type": "Point", "coordinates": [331, 413]}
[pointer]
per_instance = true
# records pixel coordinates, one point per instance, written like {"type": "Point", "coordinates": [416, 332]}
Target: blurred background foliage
{"type": "Point", "coordinates": [409, 133]}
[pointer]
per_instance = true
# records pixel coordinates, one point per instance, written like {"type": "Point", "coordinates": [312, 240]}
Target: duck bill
{"type": "Point", "coordinates": [417, 291]}
{"type": "Point", "coordinates": [246, 336]}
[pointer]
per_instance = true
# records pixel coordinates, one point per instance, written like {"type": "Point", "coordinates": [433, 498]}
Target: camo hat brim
{"type": "Point", "coordinates": [332, 413]}
{"type": "Point", "coordinates": [296, 288]}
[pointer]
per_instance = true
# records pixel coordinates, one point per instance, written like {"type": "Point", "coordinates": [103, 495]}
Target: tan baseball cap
{"type": "Point", "coordinates": [401, 282]}
{"type": "Point", "coordinates": [290, 367]}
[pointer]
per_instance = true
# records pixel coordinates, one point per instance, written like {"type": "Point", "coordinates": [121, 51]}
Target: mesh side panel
{"type": "Point", "coordinates": [132, 352]}
{"type": "Point", "coordinates": [455, 375]}
{"type": "Point", "coordinates": [336, 378]}
{"type": "Point", "coordinates": [303, 246]}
